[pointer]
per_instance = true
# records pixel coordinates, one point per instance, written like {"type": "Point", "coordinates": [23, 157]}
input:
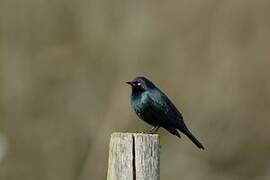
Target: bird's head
{"type": "Point", "coordinates": [140, 84]}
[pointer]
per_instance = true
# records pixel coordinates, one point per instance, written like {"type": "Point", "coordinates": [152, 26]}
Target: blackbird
{"type": "Point", "coordinates": [155, 108]}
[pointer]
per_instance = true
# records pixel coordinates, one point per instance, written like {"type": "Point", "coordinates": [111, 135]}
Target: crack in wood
{"type": "Point", "coordinates": [133, 158]}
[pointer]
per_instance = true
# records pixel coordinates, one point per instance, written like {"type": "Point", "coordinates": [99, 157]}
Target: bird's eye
{"type": "Point", "coordinates": [138, 84]}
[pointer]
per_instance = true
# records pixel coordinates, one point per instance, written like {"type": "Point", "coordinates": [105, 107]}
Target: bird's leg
{"type": "Point", "coordinates": [154, 129]}
{"type": "Point", "coordinates": [151, 130]}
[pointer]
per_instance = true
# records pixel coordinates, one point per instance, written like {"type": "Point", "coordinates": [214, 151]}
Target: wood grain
{"type": "Point", "coordinates": [134, 156]}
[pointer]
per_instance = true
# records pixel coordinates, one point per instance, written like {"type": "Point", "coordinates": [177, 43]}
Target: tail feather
{"type": "Point", "coordinates": [192, 138]}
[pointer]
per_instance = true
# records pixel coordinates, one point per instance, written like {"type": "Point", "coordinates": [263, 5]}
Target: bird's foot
{"type": "Point", "coordinates": [154, 129]}
{"type": "Point", "coordinates": [140, 132]}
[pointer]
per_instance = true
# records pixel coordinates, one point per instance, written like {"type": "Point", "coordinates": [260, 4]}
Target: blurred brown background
{"type": "Point", "coordinates": [63, 65]}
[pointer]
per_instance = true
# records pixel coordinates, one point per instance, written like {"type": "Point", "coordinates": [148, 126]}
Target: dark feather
{"type": "Point", "coordinates": [155, 108]}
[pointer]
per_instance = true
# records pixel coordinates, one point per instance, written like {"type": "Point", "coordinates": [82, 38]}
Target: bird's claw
{"type": "Point", "coordinates": [140, 132]}
{"type": "Point", "coordinates": [154, 129]}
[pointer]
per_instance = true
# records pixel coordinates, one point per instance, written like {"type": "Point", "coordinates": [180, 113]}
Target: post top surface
{"type": "Point", "coordinates": [134, 134]}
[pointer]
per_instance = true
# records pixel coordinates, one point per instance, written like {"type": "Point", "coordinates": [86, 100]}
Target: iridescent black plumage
{"type": "Point", "coordinates": [155, 108]}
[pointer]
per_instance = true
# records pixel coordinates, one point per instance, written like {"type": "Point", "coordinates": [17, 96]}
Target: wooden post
{"type": "Point", "coordinates": [134, 156]}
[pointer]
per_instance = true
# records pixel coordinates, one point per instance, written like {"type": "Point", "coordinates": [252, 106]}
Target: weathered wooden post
{"type": "Point", "coordinates": [134, 156]}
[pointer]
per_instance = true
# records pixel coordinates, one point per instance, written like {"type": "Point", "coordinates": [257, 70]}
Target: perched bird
{"type": "Point", "coordinates": [155, 108]}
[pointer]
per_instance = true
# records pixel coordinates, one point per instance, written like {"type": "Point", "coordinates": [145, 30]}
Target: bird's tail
{"type": "Point", "coordinates": [192, 138]}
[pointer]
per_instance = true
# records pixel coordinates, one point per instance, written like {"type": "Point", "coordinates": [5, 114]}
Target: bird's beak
{"type": "Point", "coordinates": [130, 83]}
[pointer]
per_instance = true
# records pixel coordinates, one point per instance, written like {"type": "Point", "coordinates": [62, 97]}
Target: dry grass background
{"type": "Point", "coordinates": [63, 65]}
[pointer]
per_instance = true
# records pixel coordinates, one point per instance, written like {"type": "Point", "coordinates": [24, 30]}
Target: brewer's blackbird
{"type": "Point", "coordinates": [155, 108]}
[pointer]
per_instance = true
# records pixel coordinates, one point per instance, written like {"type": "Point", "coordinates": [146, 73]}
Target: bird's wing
{"type": "Point", "coordinates": [165, 112]}
{"type": "Point", "coordinates": [173, 108]}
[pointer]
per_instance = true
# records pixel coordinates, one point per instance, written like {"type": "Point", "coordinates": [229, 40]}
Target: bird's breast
{"type": "Point", "coordinates": [140, 103]}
